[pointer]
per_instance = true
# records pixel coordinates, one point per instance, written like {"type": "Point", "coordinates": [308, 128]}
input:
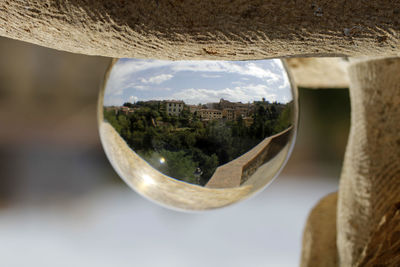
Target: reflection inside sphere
{"type": "Point", "coordinates": [213, 124]}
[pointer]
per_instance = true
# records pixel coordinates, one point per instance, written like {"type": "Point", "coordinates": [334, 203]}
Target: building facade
{"type": "Point", "coordinates": [174, 107]}
{"type": "Point", "coordinates": [229, 114]}
{"type": "Point", "coordinates": [210, 114]}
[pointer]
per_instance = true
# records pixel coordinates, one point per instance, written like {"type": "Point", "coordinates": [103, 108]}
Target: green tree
{"type": "Point", "coordinates": [285, 118]}
{"type": "Point", "coordinates": [206, 163]}
{"type": "Point", "coordinates": [176, 164]}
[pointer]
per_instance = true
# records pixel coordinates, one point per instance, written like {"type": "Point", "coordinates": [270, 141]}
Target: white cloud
{"type": "Point", "coordinates": [113, 101]}
{"type": "Point", "coordinates": [128, 67]}
{"type": "Point", "coordinates": [285, 84]}
{"type": "Point", "coordinates": [132, 99]}
{"type": "Point", "coordinates": [123, 71]}
{"type": "Point", "coordinates": [139, 87]}
{"type": "Point", "coordinates": [121, 75]}
{"type": "Point", "coordinates": [210, 76]}
{"type": "Point", "coordinates": [248, 68]}
{"type": "Point", "coordinates": [238, 83]}
{"type": "Point", "coordinates": [119, 91]}
{"type": "Point", "coordinates": [242, 94]}
{"type": "Point", "coordinates": [157, 79]}
{"type": "Point", "coordinates": [125, 79]}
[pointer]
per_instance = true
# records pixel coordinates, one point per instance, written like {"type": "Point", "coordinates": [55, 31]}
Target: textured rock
{"type": "Point", "coordinates": [370, 180]}
{"type": "Point", "coordinates": [224, 29]}
{"type": "Point", "coordinates": [383, 248]}
{"type": "Point", "coordinates": [319, 238]}
{"type": "Point", "coordinates": [319, 72]}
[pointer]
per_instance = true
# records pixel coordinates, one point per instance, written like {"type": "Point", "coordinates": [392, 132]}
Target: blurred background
{"type": "Point", "coordinates": [62, 204]}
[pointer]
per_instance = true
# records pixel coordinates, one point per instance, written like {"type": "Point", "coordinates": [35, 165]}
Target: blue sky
{"type": "Point", "coordinates": [197, 82]}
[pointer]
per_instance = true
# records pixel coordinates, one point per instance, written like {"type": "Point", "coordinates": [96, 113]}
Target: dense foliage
{"type": "Point", "coordinates": [179, 145]}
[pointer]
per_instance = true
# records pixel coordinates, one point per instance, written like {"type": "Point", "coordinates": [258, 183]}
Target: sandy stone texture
{"type": "Point", "coordinates": [319, 73]}
{"type": "Point", "coordinates": [319, 238]}
{"type": "Point", "coordinates": [370, 180]}
{"type": "Point", "coordinates": [223, 29]}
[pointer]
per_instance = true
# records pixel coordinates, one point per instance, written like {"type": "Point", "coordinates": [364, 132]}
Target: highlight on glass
{"type": "Point", "coordinates": [197, 135]}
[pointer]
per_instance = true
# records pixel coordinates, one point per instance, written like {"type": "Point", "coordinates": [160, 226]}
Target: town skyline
{"type": "Point", "coordinates": [224, 109]}
{"type": "Point", "coordinates": [197, 81]}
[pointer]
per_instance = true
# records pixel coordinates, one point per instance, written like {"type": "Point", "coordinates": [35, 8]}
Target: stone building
{"type": "Point", "coordinates": [241, 112]}
{"type": "Point", "coordinates": [174, 107]}
{"type": "Point", "coordinates": [239, 109]}
{"type": "Point", "coordinates": [229, 114]}
{"type": "Point", "coordinates": [224, 104]}
{"type": "Point", "coordinates": [210, 114]}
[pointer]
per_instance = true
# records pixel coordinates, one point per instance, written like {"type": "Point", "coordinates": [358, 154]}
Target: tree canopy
{"type": "Point", "coordinates": [178, 145]}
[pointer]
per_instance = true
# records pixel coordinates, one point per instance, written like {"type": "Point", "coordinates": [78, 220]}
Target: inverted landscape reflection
{"type": "Point", "coordinates": [207, 123]}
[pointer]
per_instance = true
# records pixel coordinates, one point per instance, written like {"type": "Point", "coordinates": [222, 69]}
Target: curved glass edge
{"type": "Point", "coordinates": [252, 193]}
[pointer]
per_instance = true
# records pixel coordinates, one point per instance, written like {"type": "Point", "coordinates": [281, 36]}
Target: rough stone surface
{"type": "Point", "coordinates": [370, 180]}
{"type": "Point", "coordinates": [383, 248]}
{"type": "Point", "coordinates": [210, 29]}
{"type": "Point", "coordinates": [319, 72]}
{"type": "Point", "coordinates": [319, 238]}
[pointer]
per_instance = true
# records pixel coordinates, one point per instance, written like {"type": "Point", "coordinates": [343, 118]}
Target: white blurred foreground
{"type": "Point", "coordinates": [113, 226]}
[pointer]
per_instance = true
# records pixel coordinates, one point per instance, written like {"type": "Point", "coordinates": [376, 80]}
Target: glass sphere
{"type": "Point", "coordinates": [197, 135]}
